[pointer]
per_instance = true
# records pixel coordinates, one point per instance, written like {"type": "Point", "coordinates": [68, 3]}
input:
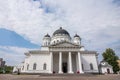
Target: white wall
{"type": "Point", "coordinates": [39, 59]}
{"type": "Point", "coordinates": [26, 61]}
{"type": "Point", "coordinates": [46, 41]}
{"type": "Point", "coordinates": [44, 48]}
{"type": "Point", "coordinates": [86, 59]}
{"type": "Point", "coordinates": [104, 70]}
{"type": "Point", "coordinates": [60, 38]}
{"type": "Point", "coordinates": [76, 40]}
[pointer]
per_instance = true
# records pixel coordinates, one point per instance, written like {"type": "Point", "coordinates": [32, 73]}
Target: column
{"type": "Point", "coordinates": [70, 63]}
{"type": "Point", "coordinates": [97, 62]}
{"type": "Point", "coordinates": [51, 67]}
{"type": "Point", "coordinates": [79, 63]}
{"type": "Point", "coordinates": [60, 63]}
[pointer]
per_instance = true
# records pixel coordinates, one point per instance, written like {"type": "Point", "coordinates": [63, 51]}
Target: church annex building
{"type": "Point", "coordinates": [60, 54]}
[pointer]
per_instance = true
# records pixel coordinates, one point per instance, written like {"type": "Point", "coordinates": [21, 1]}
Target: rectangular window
{"type": "Point", "coordinates": [91, 66]}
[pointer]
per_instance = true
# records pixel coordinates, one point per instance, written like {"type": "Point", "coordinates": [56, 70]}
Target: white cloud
{"type": "Point", "coordinates": [12, 55]}
{"type": "Point", "coordinates": [97, 21]}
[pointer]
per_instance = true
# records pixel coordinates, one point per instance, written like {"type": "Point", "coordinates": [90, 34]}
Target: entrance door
{"type": "Point", "coordinates": [64, 67]}
{"type": "Point", "coordinates": [108, 71]}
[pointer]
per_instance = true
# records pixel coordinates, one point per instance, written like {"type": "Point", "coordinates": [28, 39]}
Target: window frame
{"type": "Point", "coordinates": [44, 66]}
{"type": "Point", "coordinates": [91, 66]}
{"type": "Point", "coordinates": [34, 66]}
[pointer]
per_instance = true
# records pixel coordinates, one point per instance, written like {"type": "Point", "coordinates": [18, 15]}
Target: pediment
{"type": "Point", "coordinates": [64, 44]}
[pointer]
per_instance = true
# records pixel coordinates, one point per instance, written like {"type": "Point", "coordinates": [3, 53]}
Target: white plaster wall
{"type": "Point", "coordinates": [26, 61]}
{"type": "Point", "coordinates": [60, 38]}
{"type": "Point", "coordinates": [46, 41]}
{"type": "Point", "coordinates": [15, 69]}
{"type": "Point", "coordinates": [43, 48]}
{"type": "Point", "coordinates": [39, 59]}
{"type": "Point", "coordinates": [104, 70]}
{"type": "Point", "coordinates": [86, 59]}
{"type": "Point", "coordinates": [82, 49]}
{"type": "Point", "coordinates": [76, 40]}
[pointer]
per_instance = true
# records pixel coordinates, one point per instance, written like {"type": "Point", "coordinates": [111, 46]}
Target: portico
{"type": "Point", "coordinates": [66, 62]}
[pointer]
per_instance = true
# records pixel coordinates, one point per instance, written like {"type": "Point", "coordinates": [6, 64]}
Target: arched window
{"type": "Point", "coordinates": [82, 67]}
{"type": "Point", "coordinates": [54, 42]}
{"type": "Point", "coordinates": [34, 66]}
{"type": "Point", "coordinates": [23, 68]}
{"type": "Point", "coordinates": [57, 40]}
{"type": "Point", "coordinates": [44, 66]}
{"type": "Point", "coordinates": [91, 66]}
{"type": "Point", "coordinates": [27, 66]}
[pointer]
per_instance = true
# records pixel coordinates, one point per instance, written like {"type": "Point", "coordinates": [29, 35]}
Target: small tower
{"type": "Point", "coordinates": [77, 39]}
{"type": "Point", "coordinates": [46, 40]}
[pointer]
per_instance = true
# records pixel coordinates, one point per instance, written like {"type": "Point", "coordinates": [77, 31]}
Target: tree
{"type": "Point", "coordinates": [110, 57]}
{"type": "Point", "coordinates": [6, 69]}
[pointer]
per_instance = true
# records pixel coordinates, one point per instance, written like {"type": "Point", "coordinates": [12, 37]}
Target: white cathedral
{"type": "Point", "coordinates": [60, 54]}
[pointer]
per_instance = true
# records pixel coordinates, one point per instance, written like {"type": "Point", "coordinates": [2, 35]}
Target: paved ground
{"type": "Point", "coordinates": [38, 77]}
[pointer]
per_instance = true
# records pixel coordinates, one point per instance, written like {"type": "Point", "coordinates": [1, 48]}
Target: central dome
{"type": "Point", "coordinates": [61, 31]}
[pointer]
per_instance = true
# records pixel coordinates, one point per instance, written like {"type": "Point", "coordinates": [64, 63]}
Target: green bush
{"type": "Point", "coordinates": [6, 69]}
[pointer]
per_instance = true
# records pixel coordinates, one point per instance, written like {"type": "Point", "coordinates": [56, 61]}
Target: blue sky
{"type": "Point", "coordinates": [11, 38]}
{"type": "Point", "coordinates": [23, 23]}
{"type": "Point", "coordinates": [13, 46]}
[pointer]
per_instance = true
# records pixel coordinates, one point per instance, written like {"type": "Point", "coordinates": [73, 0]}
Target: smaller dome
{"type": "Point", "coordinates": [77, 35]}
{"type": "Point", "coordinates": [47, 35]}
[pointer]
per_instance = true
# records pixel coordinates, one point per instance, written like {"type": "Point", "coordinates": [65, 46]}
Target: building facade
{"type": "Point", "coordinates": [2, 63]}
{"type": "Point", "coordinates": [105, 68]}
{"type": "Point", "coordinates": [60, 54]}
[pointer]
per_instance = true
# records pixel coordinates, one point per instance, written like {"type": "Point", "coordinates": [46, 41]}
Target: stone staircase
{"type": "Point", "coordinates": [65, 74]}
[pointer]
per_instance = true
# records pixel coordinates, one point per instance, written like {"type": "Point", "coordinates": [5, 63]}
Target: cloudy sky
{"type": "Point", "coordinates": [23, 23]}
